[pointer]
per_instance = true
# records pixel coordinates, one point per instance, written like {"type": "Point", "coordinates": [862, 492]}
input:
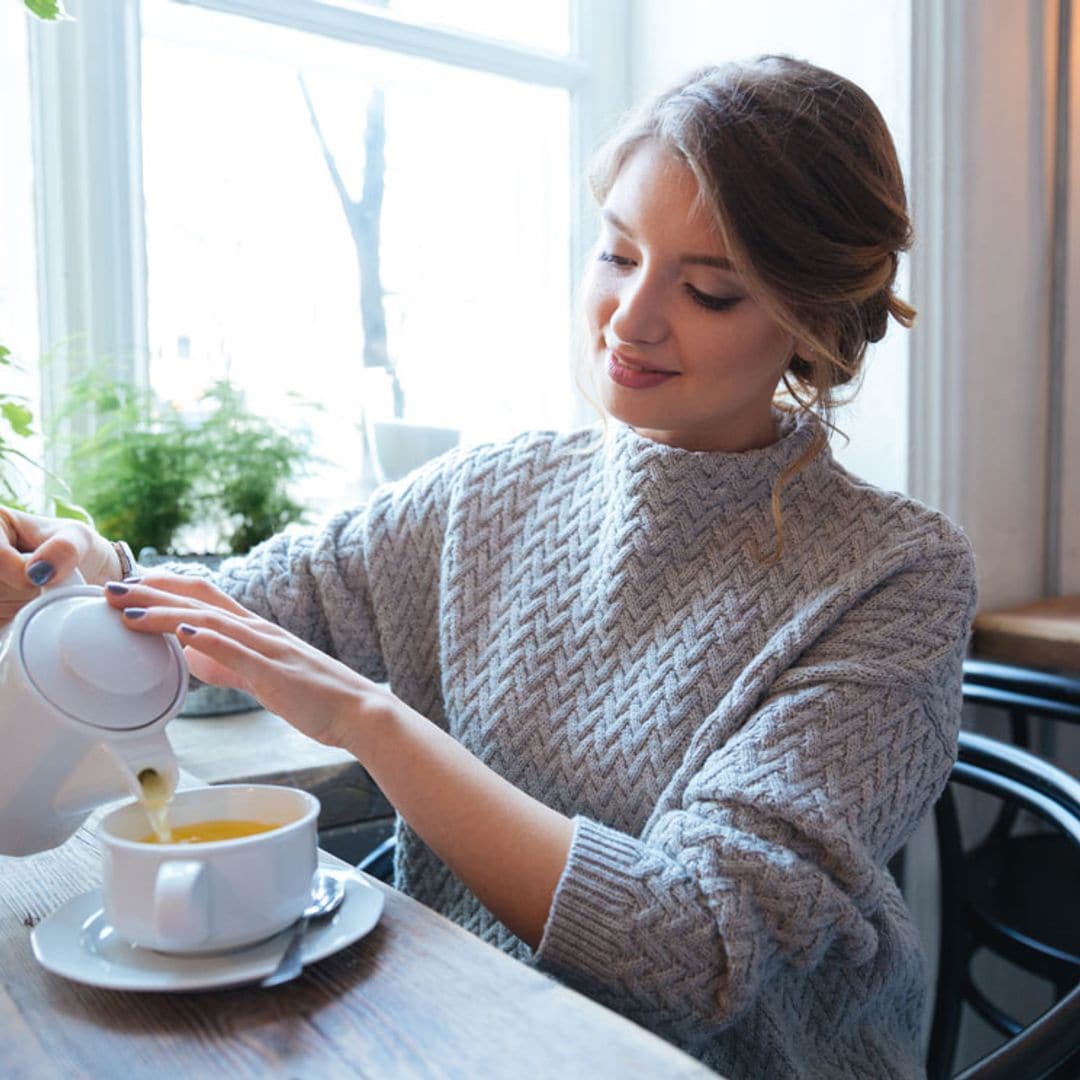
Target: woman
{"type": "Point", "coordinates": [664, 704]}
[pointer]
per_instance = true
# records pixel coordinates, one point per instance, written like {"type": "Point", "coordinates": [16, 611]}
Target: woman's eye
{"type": "Point", "coordinates": [616, 260]}
{"type": "Point", "coordinates": [712, 303]}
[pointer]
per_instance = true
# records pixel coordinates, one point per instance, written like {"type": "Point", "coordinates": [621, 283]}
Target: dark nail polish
{"type": "Point", "coordinates": [40, 572]}
{"type": "Point", "coordinates": [132, 579]}
{"type": "Point", "coordinates": [185, 628]}
{"type": "Point", "coordinates": [117, 590]}
{"type": "Point", "coordinates": [134, 612]}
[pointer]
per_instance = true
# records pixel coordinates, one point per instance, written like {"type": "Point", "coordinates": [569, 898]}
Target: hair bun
{"type": "Point", "coordinates": [875, 314]}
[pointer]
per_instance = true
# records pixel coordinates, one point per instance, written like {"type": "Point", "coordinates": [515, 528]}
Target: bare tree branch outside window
{"type": "Point", "coordinates": [364, 217]}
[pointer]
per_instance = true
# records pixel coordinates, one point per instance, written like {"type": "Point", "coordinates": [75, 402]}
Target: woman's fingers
{"type": "Point", "coordinates": [35, 551]}
{"type": "Point", "coordinates": [195, 588]}
{"type": "Point", "coordinates": [257, 635]}
{"type": "Point", "coordinates": [15, 590]}
{"type": "Point", "coordinates": [174, 590]}
{"type": "Point", "coordinates": [221, 661]}
{"type": "Point", "coordinates": [228, 645]}
{"type": "Point", "coordinates": [289, 678]}
{"type": "Point", "coordinates": [229, 648]}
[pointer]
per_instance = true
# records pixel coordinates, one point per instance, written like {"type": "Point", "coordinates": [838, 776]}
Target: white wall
{"type": "Point", "coordinates": [868, 43]}
{"type": "Point", "coordinates": [994, 237]}
{"type": "Point", "coordinates": [1002, 257]}
{"type": "Point", "coordinates": [996, 242]}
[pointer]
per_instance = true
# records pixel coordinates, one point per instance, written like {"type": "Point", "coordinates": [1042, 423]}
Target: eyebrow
{"type": "Point", "coordinates": [717, 261]}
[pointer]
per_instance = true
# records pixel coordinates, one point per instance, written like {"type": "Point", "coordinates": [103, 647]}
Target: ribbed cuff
{"type": "Point", "coordinates": [596, 892]}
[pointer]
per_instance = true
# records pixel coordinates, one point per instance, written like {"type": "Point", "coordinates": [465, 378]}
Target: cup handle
{"type": "Point", "coordinates": [181, 910]}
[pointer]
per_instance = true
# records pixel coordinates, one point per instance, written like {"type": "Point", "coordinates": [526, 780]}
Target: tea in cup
{"type": "Point", "coordinates": [238, 869]}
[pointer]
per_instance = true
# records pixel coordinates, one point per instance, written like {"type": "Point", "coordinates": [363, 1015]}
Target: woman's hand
{"type": "Point", "coordinates": [36, 550]}
{"type": "Point", "coordinates": [505, 845]}
{"type": "Point", "coordinates": [228, 645]}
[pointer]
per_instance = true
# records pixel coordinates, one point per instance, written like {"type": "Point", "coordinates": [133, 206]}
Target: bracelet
{"type": "Point", "coordinates": [127, 560]}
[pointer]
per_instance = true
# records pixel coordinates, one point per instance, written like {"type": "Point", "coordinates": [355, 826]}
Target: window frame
{"type": "Point", "coordinates": [86, 123]}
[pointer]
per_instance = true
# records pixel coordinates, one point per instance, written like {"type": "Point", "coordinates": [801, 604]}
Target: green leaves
{"type": "Point", "coordinates": [149, 472]}
{"type": "Point", "coordinates": [248, 464]}
{"type": "Point", "coordinates": [62, 508]}
{"type": "Point", "coordinates": [17, 415]}
{"type": "Point", "coordinates": [49, 10]}
{"type": "Point", "coordinates": [15, 422]}
{"type": "Point", "coordinates": [136, 473]}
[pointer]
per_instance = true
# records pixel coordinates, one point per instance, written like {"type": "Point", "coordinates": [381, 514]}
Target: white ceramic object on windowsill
{"type": "Point", "coordinates": [401, 447]}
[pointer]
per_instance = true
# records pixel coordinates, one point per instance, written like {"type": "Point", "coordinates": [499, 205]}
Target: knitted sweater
{"type": "Point", "coordinates": [742, 744]}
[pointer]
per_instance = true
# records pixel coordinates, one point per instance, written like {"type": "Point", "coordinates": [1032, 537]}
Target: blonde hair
{"type": "Point", "coordinates": [799, 171]}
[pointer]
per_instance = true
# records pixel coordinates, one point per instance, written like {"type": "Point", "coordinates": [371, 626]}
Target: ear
{"type": "Point", "coordinates": [810, 353]}
{"type": "Point", "coordinates": [800, 360]}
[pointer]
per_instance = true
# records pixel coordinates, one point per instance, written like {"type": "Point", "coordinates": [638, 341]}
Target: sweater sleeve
{"type": "Point", "coordinates": [343, 589]}
{"type": "Point", "coordinates": [773, 857]}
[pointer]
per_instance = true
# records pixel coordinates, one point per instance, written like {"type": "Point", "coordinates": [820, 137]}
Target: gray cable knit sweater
{"type": "Point", "coordinates": [742, 745]}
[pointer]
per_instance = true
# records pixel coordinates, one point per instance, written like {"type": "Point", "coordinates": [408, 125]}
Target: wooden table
{"type": "Point", "coordinates": [1040, 634]}
{"type": "Point", "coordinates": [417, 997]}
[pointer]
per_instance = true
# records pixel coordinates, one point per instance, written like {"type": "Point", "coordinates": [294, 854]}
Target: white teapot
{"type": "Point", "coordinates": [83, 707]}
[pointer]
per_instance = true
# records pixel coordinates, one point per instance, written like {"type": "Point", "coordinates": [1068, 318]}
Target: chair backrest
{"type": "Point", "coordinates": [1023, 694]}
{"type": "Point", "coordinates": [1020, 690]}
{"type": "Point", "coordinates": [1027, 781]}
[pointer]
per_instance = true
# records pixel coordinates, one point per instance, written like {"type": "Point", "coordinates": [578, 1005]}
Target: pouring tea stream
{"type": "Point", "coordinates": [83, 708]}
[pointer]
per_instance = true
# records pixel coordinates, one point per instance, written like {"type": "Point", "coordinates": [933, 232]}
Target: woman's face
{"type": "Point", "coordinates": [682, 353]}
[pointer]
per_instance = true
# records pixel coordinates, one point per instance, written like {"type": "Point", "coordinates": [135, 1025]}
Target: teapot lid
{"type": "Point", "coordinates": [86, 663]}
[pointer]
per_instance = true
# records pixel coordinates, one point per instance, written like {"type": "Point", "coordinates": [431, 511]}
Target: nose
{"type": "Point", "coordinates": [640, 317]}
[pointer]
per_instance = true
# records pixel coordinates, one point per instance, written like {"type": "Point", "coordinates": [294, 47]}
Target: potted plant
{"type": "Point", "coordinates": [246, 467]}
{"type": "Point", "coordinates": [158, 478]}
{"type": "Point", "coordinates": [136, 474]}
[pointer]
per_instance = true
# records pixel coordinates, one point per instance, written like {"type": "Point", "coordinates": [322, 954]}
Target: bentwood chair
{"type": "Point", "coordinates": [1015, 879]}
{"type": "Point", "coordinates": [1050, 1045]}
{"type": "Point", "coordinates": [379, 861]}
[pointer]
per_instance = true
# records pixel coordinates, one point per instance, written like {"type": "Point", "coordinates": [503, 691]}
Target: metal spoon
{"type": "Point", "coordinates": [327, 893]}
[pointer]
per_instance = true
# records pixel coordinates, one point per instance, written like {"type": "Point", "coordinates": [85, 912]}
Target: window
{"type": "Point", "coordinates": [18, 331]}
{"type": "Point", "coordinates": [250, 133]}
{"type": "Point", "coordinates": [537, 25]}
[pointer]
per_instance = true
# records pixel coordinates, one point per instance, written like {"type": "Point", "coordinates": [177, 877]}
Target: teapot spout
{"type": "Point", "coordinates": [148, 765]}
{"type": "Point", "coordinates": [35, 815]}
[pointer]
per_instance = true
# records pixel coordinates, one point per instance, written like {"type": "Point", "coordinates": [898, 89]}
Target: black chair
{"type": "Point", "coordinates": [1014, 881]}
{"type": "Point", "coordinates": [1022, 692]}
{"type": "Point", "coordinates": [379, 861]}
{"type": "Point", "coordinates": [1049, 1045]}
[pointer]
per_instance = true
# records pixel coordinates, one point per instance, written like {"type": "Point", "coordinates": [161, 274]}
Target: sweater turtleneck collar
{"type": "Point", "coordinates": [655, 480]}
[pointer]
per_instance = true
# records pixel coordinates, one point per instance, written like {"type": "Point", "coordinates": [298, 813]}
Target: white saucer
{"type": "Point", "coordinates": [76, 942]}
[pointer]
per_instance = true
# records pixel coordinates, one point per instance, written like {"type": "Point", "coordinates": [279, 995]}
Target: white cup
{"type": "Point", "coordinates": [208, 897]}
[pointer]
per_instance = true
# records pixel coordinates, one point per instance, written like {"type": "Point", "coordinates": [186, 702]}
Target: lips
{"type": "Point", "coordinates": [635, 376]}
